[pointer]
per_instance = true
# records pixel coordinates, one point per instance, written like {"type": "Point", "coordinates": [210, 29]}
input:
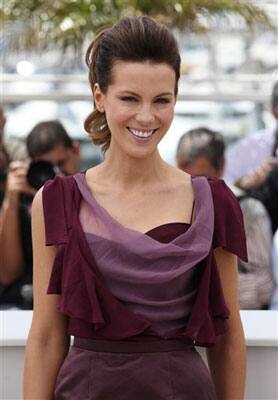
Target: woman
{"type": "Point", "coordinates": [129, 249]}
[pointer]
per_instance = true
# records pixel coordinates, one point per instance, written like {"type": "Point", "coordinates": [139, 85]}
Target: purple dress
{"type": "Point", "coordinates": [136, 328]}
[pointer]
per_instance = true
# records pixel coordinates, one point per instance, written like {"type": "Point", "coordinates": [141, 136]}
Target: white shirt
{"type": "Point", "coordinates": [244, 156]}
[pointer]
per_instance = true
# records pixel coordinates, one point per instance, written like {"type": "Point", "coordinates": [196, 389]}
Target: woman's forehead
{"type": "Point", "coordinates": [143, 76]}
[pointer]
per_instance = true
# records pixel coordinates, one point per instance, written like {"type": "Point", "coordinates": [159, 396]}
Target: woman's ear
{"type": "Point", "coordinates": [98, 98]}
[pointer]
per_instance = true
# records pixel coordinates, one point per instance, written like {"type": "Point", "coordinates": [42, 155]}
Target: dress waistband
{"type": "Point", "coordinates": [115, 346]}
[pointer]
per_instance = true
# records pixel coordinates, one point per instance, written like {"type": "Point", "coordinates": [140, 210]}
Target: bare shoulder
{"type": "Point", "coordinates": [179, 179]}
{"type": "Point", "coordinates": [179, 175]}
{"type": "Point", "coordinates": [97, 179]}
{"type": "Point", "coordinates": [95, 173]}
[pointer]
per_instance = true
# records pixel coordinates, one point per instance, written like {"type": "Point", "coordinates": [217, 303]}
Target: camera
{"type": "Point", "coordinates": [39, 172]}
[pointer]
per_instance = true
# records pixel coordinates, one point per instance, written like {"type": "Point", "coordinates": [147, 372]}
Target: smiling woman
{"type": "Point", "coordinates": [135, 258]}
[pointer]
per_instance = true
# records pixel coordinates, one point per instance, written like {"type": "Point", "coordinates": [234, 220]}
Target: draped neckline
{"type": "Point", "coordinates": [87, 194]}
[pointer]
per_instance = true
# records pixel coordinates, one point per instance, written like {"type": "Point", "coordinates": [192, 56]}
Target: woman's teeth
{"type": "Point", "coordinates": [142, 134]}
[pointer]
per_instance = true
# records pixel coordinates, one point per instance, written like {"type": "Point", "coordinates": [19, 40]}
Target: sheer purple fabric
{"type": "Point", "coordinates": [155, 279]}
{"type": "Point", "coordinates": [128, 284]}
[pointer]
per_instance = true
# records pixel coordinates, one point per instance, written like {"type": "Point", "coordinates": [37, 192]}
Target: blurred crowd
{"type": "Point", "coordinates": [249, 167]}
{"type": "Point", "coordinates": [24, 168]}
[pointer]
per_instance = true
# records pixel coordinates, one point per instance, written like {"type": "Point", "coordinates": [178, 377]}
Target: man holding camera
{"type": "Point", "coordinates": [47, 141]}
{"type": "Point", "coordinates": [250, 172]}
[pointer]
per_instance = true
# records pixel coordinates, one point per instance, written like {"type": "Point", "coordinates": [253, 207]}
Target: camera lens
{"type": "Point", "coordinates": [39, 172]}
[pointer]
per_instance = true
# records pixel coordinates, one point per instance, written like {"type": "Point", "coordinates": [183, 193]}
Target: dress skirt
{"type": "Point", "coordinates": [109, 370]}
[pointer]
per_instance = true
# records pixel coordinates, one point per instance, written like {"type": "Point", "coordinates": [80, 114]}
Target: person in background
{"type": "Point", "coordinates": [250, 173]}
{"type": "Point", "coordinates": [202, 152]}
{"type": "Point", "coordinates": [257, 173]}
{"type": "Point", "coordinates": [267, 193]}
{"type": "Point", "coordinates": [12, 153]}
{"type": "Point", "coordinates": [274, 300]}
{"type": "Point", "coordinates": [47, 141]}
{"type": "Point", "coordinates": [50, 141]}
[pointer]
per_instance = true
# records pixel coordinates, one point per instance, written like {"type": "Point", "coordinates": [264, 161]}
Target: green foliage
{"type": "Point", "coordinates": [67, 22]}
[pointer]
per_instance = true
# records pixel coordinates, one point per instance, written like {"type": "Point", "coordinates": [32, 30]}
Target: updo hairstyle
{"type": "Point", "coordinates": [132, 39]}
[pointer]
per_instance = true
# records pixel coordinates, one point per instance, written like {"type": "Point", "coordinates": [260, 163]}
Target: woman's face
{"type": "Point", "coordinates": [139, 106]}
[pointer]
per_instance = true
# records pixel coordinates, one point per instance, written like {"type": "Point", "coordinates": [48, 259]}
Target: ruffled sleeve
{"type": "Point", "coordinates": [54, 214]}
{"type": "Point", "coordinates": [92, 311]}
{"type": "Point", "coordinates": [56, 229]}
{"type": "Point", "coordinates": [228, 220]}
{"type": "Point", "coordinates": [210, 314]}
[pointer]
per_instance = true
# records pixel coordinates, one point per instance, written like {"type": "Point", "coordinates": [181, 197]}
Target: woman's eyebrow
{"type": "Point", "coordinates": [165, 94]}
{"type": "Point", "coordinates": [136, 94]}
{"type": "Point", "coordinates": [129, 92]}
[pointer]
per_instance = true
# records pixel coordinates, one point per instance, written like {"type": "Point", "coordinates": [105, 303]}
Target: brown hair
{"type": "Point", "coordinates": [135, 39]}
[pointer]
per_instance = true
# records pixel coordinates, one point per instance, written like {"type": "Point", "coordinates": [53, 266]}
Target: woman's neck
{"type": "Point", "coordinates": [131, 173]}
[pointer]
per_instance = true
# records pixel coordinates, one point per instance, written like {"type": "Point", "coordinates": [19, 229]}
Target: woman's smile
{"type": "Point", "coordinates": [143, 135]}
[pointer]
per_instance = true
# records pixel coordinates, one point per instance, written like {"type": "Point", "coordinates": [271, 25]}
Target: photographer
{"type": "Point", "coordinates": [50, 141]}
{"type": "Point", "coordinates": [267, 193]}
{"type": "Point", "coordinates": [250, 173]}
{"type": "Point", "coordinates": [47, 141]}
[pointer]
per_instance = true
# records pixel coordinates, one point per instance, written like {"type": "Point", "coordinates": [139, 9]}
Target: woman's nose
{"type": "Point", "coordinates": [145, 115]}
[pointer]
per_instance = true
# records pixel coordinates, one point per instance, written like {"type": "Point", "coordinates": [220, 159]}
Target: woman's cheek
{"type": "Point", "coordinates": [168, 115]}
{"type": "Point", "coordinates": [124, 113]}
{"type": "Point", "coordinates": [118, 115]}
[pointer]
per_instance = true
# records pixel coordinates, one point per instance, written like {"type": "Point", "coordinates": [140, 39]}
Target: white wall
{"type": "Point", "coordinates": [261, 332]}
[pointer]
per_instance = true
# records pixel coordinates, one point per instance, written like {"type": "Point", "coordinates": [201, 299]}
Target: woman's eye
{"type": "Point", "coordinates": [162, 100]}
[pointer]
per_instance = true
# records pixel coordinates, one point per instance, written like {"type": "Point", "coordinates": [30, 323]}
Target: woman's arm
{"type": "Point", "coordinates": [227, 359]}
{"type": "Point", "coordinates": [48, 342]}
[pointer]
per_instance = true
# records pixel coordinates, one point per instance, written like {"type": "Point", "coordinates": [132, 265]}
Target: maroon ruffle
{"type": "Point", "coordinates": [228, 220]}
{"type": "Point", "coordinates": [92, 309]}
{"type": "Point", "coordinates": [209, 314]}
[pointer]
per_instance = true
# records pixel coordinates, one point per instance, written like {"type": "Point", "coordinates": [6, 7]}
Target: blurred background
{"type": "Point", "coordinates": [229, 64]}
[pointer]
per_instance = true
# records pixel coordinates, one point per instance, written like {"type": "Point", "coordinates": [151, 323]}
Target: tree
{"type": "Point", "coordinates": [64, 23]}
